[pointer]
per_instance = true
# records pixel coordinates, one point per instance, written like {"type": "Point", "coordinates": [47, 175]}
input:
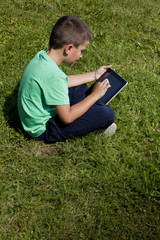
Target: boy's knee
{"type": "Point", "coordinates": [112, 116]}
{"type": "Point", "coordinates": [108, 116]}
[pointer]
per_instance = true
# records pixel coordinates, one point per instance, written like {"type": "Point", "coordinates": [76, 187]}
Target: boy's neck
{"type": "Point", "coordinates": [56, 55]}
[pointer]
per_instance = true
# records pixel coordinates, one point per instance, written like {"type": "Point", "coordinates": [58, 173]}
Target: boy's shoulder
{"type": "Point", "coordinates": [41, 64]}
{"type": "Point", "coordinates": [43, 69]}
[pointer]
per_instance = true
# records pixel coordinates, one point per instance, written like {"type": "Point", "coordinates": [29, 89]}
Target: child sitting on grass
{"type": "Point", "coordinates": [53, 106]}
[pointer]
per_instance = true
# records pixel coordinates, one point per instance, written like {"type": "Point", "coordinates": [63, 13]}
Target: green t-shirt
{"type": "Point", "coordinates": [43, 86]}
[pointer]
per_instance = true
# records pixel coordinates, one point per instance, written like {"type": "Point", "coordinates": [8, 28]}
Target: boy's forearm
{"type": "Point", "coordinates": [68, 113]}
{"type": "Point", "coordinates": [82, 107]}
{"type": "Point", "coordinates": [79, 79]}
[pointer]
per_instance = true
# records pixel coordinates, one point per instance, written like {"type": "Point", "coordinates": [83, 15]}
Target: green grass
{"type": "Point", "coordinates": [88, 188]}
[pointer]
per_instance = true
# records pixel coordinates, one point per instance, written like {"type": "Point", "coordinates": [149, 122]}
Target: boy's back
{"type": "Point", "coordinates": [43, 84]}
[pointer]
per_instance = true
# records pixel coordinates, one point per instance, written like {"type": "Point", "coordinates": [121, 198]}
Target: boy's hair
{"type": "Point", "coordinates": [69, 29]}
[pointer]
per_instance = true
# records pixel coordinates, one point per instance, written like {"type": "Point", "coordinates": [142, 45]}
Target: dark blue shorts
{"type": "Point", "coordinates": [99, 116]}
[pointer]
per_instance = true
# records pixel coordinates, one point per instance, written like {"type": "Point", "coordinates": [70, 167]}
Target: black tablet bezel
{"type": "Point", "coordinates": [109, 72]}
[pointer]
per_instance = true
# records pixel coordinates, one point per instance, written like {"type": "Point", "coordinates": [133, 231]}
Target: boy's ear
{"type": "Point", "coordinates": [68, 48]}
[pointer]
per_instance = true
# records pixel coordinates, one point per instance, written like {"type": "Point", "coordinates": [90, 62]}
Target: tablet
{"type": "Point", "coordinates": [117, 84]}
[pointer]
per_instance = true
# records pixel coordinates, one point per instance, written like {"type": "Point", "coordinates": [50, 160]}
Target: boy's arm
{"type": "Point", "coordinates": [69, 113]}
{"type": "Point", "coordinates": [79, 79]}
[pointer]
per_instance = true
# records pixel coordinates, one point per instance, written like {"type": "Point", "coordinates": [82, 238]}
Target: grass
{"type": "Point", "coordinates": [87, 188]}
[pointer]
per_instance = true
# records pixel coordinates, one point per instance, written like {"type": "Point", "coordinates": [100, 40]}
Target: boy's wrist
{"type": "Point", "coordinates": [94, 96]}
{"type": "Point", "coordinates": [95, 75]}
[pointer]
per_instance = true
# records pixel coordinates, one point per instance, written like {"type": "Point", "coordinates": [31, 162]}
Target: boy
{"type": "Point", "coordinates": [53, 107]}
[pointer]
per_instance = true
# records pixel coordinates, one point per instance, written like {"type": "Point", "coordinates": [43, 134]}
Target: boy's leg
{"type": "Point", "coordinates": [99, 116]}
{"type": "Point", "coordinates": [77, 94]}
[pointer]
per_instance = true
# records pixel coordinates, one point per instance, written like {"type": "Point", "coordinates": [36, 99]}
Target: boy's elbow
{"type": "Point", "coordinates": [65, 114]}
{"type": "Point", "coordinates": [67, 120]}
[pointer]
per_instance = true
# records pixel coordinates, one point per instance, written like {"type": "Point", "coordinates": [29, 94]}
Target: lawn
{"type": "Point", "coordinates": [92, 187]}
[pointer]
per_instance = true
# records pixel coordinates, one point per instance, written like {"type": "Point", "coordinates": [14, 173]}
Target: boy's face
{"type": "Point", "coordinates": [74, 54]}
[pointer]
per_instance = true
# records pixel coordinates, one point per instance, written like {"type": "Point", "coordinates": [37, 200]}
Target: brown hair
{"type": "Point", "coordinates": [69, 29]}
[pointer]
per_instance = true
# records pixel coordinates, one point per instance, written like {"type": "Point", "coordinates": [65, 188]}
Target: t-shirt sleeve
{"type": "Point", "coordinates": [56, 91]}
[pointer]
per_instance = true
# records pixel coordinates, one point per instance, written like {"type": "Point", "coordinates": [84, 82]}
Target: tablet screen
{"type": "Point", "coordinates": [117, 84]}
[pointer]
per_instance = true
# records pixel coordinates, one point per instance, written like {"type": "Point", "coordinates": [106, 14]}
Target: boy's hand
{"type": "Point", "coordinates": [101, 70]}
{"type": "Point", "coordinates": [100, 88]}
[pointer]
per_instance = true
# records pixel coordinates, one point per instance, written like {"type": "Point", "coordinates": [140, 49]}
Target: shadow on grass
{"type": "Point", "coordinates": [11, 112]}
